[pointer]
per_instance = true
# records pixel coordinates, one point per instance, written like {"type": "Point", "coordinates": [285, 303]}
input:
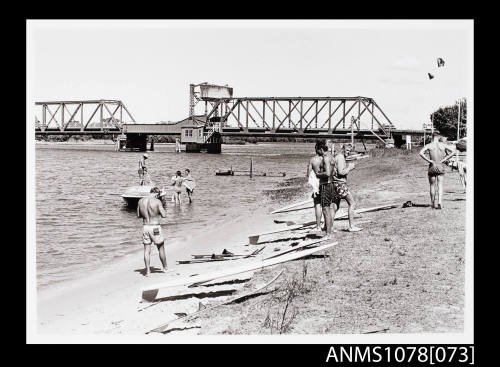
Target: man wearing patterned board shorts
{"type": "Point", "coordinates": [341, 190]}
{"type": "Point", "coordinates": [150, 209]}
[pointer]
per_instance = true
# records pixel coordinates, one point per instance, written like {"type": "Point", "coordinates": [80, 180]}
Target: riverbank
{"type": "Point", "coordinates": [108, 301]}
{"type": "Point", "coordinates": [404, 273]}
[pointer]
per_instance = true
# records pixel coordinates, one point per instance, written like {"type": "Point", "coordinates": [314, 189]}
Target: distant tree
{"type": "Point", "coordinates": [446, 120]}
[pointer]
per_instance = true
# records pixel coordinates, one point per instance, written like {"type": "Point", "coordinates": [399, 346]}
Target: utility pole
{"type": "Point", "coordinates": [352, 131]}
{"type": "Point", "coordinates": [432, 126]}
{"type": "Point", "coordinates": [458, 129]}
{"type": "Point", "coordinates": [191, 100]}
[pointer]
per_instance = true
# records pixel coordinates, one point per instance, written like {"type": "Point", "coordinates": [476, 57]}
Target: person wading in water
{"type": "Point", "coordinates": [189, 183]}
{"type": "Point", "coordinates": [177, 184]}
{"type": "Point", "coordinates": [142, 167]}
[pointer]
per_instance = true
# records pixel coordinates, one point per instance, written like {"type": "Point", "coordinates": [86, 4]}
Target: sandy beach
{"type": "Point", "coordinates": [400, 252]}
{"type": "Point", "coordinates": [108, 301]}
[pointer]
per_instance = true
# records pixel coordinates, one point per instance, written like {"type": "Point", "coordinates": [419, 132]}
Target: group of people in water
{"type": "Point", "coordinates": [178, 181]}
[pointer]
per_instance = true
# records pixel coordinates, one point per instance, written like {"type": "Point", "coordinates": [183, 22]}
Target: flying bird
{"type": "Point", "coordinates": [440, 62]}
{"type": "Point", "coordinates": [430, 76]}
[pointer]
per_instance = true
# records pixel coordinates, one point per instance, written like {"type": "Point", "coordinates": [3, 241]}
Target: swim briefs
{"type": "Point", "coordinates": [436, 170]}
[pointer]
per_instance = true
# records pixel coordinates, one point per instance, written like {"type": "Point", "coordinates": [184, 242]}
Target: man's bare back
{"type": "Point", "coordinates": [437, 151]}
{"type": "Point", "coordinates": [150, 209]}
{"type": "Point", "coordinates": [316, 164]}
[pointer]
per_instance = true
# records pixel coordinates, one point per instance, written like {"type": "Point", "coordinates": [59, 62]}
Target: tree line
{"type": "Point", "coordinates": [446, 120]}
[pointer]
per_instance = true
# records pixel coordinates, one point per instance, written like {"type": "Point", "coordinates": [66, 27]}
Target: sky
{"type": "Point", "coordinates": [150, 64]}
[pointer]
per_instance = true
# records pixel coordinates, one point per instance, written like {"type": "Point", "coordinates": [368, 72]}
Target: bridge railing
{"type": "Point", "coordinates": [84, 116]}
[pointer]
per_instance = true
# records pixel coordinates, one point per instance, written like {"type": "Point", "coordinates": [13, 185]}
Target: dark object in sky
{"type": "Point", "coordinates": [430, 76]}
{"type": "Point", "coordinates": [440, 62]}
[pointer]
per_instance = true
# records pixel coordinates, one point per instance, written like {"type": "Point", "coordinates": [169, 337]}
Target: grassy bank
{"type": "Point", "coordinates": [403, 273]}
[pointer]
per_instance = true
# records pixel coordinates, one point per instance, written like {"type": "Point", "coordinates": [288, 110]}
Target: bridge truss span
{"type": "Point", "coordinates": [90, 116]}
{"type": "Point", "coordinates": [299, 114]}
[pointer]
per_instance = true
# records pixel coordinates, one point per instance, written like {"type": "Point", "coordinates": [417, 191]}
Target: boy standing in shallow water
{"type": "Point", "coordinates": [189, 191]}
{"type": "Point", "coordinates": [177, 184]}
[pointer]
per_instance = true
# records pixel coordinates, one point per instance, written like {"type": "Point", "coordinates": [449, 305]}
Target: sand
{"type": "Point", "coordinates": [403, 273]}
{"type": "Point", "coordinates": [108, 301]}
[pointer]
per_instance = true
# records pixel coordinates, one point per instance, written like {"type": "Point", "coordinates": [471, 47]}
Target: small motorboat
{"type": "Point", "coordinates": [224, 173]}
{"type": "Point", "coordinates": [134, 193]}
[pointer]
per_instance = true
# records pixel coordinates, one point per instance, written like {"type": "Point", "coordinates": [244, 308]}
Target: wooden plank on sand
{"type": "Point", "coordinates": [254, 265]}
{"type": "Point", "coordinates": [302, 245]}
{"type": "Point", "coordinates": [344, 214]}
{"type": "Point", "coordinates": [291, 206]}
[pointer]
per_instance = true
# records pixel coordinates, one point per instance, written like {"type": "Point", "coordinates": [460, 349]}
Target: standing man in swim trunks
{"type": "Point", "coordinates": [321, 165]}
{"type": "Point", "coordinates": [150, 209]}
{"type": "Point", "coordinates": [341, 191]}
{"type": "Point", "coordinates": [177, 184]}
{"type": "Point", "coordinates": [326, 189]}
{"type": "Point", "coordinates": [142, 167]}
{"type": "Point", "coordinates": [437, 154]}
{"type": "Point", "coordinates": [315, 165]}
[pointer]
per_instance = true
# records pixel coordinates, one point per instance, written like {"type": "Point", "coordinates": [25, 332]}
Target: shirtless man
{"type": "Point", "coordinates": [189, 178]}
{"type": "Point", "coordinates": [321, 165]}
{"type": "Point", "coordinates": [341, 191]}
{"type": "Point", "coordinates": [315, 165]}
{"type": "Point", "coordinates": [437, 153]}
{"type": "Point", "coordinates": [150, 209]}
{"type": "Point", "coordinates": [177, 184]}
{"type": "Point", "coordinates": [142, 167]}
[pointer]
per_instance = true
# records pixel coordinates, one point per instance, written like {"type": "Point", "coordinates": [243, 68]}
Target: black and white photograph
{"type": "Point", "coordinates": [249, 181]}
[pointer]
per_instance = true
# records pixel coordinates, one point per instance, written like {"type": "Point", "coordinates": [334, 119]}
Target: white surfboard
{"type": "Point", "coordinates": [189, 184]}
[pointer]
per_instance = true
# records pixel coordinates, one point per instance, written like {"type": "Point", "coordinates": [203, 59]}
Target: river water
{"type": "Point", "coordinates": [83, 224]}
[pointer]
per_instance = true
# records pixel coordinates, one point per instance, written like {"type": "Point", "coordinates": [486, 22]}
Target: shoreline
{"type": "Point", "coordinates": [90, 304]}
{"type": "Point", "coordinates": [397, 262]}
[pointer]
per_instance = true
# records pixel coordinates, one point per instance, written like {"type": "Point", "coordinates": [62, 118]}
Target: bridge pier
{"type": "Point", "coordinates": [136, 142]}
{"type": "Point", "coordinates": [398, 140]}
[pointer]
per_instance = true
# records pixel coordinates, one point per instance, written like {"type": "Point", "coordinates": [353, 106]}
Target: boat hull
{"type": "Point", "coordinates": [136, 193]}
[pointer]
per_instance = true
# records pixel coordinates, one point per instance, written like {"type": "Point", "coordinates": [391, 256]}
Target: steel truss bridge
{"type": "Point", "coordinates": [299, 116]}
{"type": "Point", "coordinates": [81, 117]}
